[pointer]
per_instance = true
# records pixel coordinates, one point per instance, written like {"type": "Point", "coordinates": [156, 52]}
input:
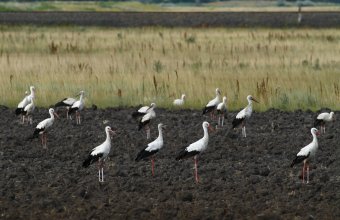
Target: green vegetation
{"type": "Point", "coordinates": [287, 69]}
{"type": "Point", "coordinates": [115, 6]}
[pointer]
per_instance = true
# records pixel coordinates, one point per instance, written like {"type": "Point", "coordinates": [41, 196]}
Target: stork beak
{"type": "Point", "coordinates": [164, 127]}
{"type": "Point", "coordinates": [56, 115]}
{"type": "Point", "coordinates": [317, 133]}
{"type": "Point", "coordinates": [254, 100]}
{"type": "Point", "coordinates": [112, 132]}
{"type": "Point", "coordinates": [211, 128]}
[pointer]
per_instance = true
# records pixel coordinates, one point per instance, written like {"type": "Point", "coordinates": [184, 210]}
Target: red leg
{"type": "Point", "coordinates": [153, 166]}
{"type": "Point", "coordinates": [196, 173]}
{"type": "Point", "coordinates": [303, 171]}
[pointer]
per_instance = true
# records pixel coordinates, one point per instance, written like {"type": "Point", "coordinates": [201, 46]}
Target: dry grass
{"type": "Point", "coordinates": [286, 69]}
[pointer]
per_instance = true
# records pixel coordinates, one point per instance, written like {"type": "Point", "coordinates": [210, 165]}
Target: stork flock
{"type": "Point", "coordinates": [146, 114]}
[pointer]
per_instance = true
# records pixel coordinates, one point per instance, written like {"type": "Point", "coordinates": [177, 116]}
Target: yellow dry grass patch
{"type": "Point", "coordinates": [287, 69]}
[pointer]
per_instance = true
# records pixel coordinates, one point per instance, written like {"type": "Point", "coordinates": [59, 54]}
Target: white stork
{"type": "Point", "coordinates": [146, 119]}
{"type": "Point", "coordinates": [211, 106]}
{"type": "Point", "coordinates": [152, 148]}
{"type": "Point", "coordinates": [143, 110]}
{"type": "Point", "coordinates": [67, 102]}
{"type": "Point", "coordinates": [221, 111]}
{"type": "Point", "coordinates": [28, 110]}
{"type": "Point", "coordinates": [179, 102]}
{"type": "Point", "coordinates": [322, 119]}
{"type": "Point", "coordinates": [244, 115]}
{"type": "Point", "coordinates": [77, 107]}
{"type": "Point", "coordinates": [27, 100]}
{"type": "Point", "coordinates": [100, 153]}
{"type": "Point", "coordinates": [196, 148]}
{"type": "Point", "coordinates": [306, 153]}
{"type": "Point", "coordinates": [43, 127]}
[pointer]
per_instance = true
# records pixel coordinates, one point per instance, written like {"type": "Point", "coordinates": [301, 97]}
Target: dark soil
{"type": "Point", "coordinates": [174, 19]}
{"type": "Point", "coordinates": [241, 178]}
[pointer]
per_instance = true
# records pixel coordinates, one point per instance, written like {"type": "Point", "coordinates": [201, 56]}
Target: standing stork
{"type": "Point", "coordinates": [27, 100]}
{"type": "Point", "coordinates": [152, 148]}
{"type": "Point", "coordinates": [322, 119]}
{"type": "Point", "coordinates": [244, 115]}
{"type": "Point", "coordinates": [28, 110]}
{"type": "Point", "coordinates": [43, 127]}
{"type": "Point", "coordinates": [146, 119]}
{"type": "Point", "coordinates": [306, 153]}
{"type": "Point", "coordinates": [179, 102]}
{"type": "Point", "coordinates": [100, 153]}
{"type": "Point", "coordinates": [194, 149]}
{"type": "Point", "coordinates": [67, 102]}
{"type": "Point", "coordinates": [77, 107]}
{"type": "Point", "coordinates": [211, 106]}
{"type": "Point", "coordinates": [221, 111]}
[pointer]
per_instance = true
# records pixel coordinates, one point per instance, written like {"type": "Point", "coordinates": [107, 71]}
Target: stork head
{"type": "Point", "coordinates": [250, 99]}
{"type": "Point", "coordinates": [108, 130]}
{"type": "Point", "coordinates": [315, 131]}
{"type": "Point", "coordinates": [32, 88]}
{"type": "Point", "coordinates": [183, 96]}
{"type": "Point", "coordinates": [218, 92]}
{"type": "Point", "coordinates": [206, 125]}
{"type": "Point", "coordinates": [161, 126]}
{"type": "Point", "coordinates": [331, 115]}
{"type": "Point", "coordinates": [52, 113]}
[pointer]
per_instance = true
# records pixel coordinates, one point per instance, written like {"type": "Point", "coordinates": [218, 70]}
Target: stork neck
{"type": "Point", "coordinates": [160, 135]}
{"type": "Point", "coordinates": [315, 139]}
{"type": "Point", "coordinates": [206, 134]}
{"type": "Point", "coordinates": [81, 97]}
{"type": "Point", "coordinates": [108, 139]}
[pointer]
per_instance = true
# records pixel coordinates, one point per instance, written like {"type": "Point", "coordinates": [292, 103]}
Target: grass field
{"type": "Point", "coordinates": [286, 69]}
{"type": "Point", "coordinates": [113, 6]}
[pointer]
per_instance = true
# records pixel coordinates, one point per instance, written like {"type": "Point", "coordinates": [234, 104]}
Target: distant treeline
{"type": "Point", "coordinates": [175, 1]}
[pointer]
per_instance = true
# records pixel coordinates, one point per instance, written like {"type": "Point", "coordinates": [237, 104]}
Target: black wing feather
{"type": "Point", "coordinates": [91, 159]}
{"type": "Point", "coordinates": [144, 154]}
{"type": "Point", "coordinates": [186, 154]}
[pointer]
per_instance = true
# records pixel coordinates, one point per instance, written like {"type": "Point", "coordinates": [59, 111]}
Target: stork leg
{"type": "Point", "coordinates": [153, 166]}
{"type": "Point", "coordinates": [303, 171]}
{"type": "Point", "coordinates": [147, 129]}
{"type": "Point", "coordinates": [30, 119]}
{"type": "Point", "coordinates": [42, 139]}
{"type": "Point", "coordinates": [244, 134]}
{"type": "Point", "coordinates": [196, 173]}
{"type": "Point", "coordinates": [45, 140]}
{"type": "Point", "coordinates": [307, 173]}
{"type": "Point", "coordinates": [222, 120]}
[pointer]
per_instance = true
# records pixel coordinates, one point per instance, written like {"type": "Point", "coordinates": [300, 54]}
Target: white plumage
{"type": "Point", "coordinates": [26, 101]}
{"type": "Point", "coordinates": [322, 119]}
{"type": "Point", "coordinates": [28, 110]}
{"type": "Point", "coordinates": [179, 102]}
{"type": "Point", "coordinates": [221, 110]}
{"type": "Point", "coordinates": [146, 119]}
{"type": "Point", "coordinates": [48, 122]}
{"type": "Point", "coordinates": [306, 153]}
{"type": "Point", "coordinates": [202, 143]}
{"type": "Point", "coordinates": [244, 114]}
{"type": "Point", "coordinates": [152, 148]}
{"type": "Point", "coordinates": [211, 106]}
{"type": "Point", "coordinates": [196, 148]}
{"type": "Point", "coordinates": [100, 153]}
{"type": "Point", "coordinates": [77, 107]}
{"type": "Point", "coordinates": [44, 126]}
{"type": "Point", "coordinates": [158, 143]}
